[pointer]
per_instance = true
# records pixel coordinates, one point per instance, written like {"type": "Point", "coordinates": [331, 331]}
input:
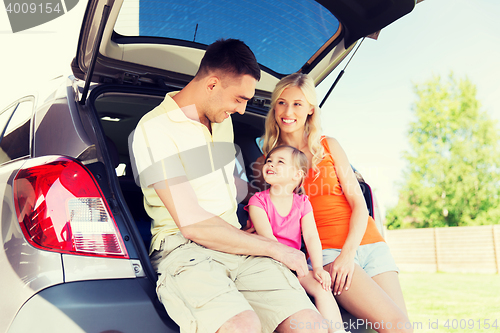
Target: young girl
{"type": "Point", "coordinates": [283, 213]}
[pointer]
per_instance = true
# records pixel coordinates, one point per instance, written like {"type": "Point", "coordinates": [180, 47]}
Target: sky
{"type": "Point", "coordinates": [370, 109]}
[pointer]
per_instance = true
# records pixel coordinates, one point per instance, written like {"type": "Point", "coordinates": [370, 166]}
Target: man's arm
{"type": "Point", "coordinates": [243, 193]}
{"type": "Point", "coordinates": [206, 229]}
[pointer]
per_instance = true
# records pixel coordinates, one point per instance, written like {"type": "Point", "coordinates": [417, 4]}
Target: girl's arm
{"type": "Point", "coordinates": [313, 245]}
{"type": "Point", "coordinates": [260, 221]}
{"type": "Point", "coordinates": [343, 267]}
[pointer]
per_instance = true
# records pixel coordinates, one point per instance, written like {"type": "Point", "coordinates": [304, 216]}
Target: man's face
{"type": "Point", "coordinates": [228, 96]}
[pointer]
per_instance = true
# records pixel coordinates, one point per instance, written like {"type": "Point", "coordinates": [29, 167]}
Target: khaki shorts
{"type": "Point", "coordinates": [201, 289]}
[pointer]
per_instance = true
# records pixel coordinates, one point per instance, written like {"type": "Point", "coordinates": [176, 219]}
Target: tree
{"type": "Point", "coordinates": [453, 165]}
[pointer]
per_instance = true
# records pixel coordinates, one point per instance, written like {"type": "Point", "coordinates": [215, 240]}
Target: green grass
{"type": "Point", "coordinates": [438, 297]}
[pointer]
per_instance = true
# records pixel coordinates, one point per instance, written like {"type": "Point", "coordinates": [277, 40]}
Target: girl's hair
{"type": "Point", "coordinates": [312, 128]}
{"type": "Point", "coordinates": [299, 161]}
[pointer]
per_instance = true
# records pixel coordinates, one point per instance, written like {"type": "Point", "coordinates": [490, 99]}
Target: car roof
{"type": "Point", "coordinates": [161, 43]}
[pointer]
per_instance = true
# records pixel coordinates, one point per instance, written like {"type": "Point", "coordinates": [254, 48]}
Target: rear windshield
{"type": "Point", "coordinates": [283, 34]}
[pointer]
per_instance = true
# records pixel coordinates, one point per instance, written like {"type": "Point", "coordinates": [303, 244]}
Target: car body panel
{"type": "Point", "coordinates": [93, 306]}
{"type": "Point", "coordinates": [25, 270]}
{"type": "Point", "coordinates": [28, 270]}
{"type": "Point", "coordinates": [59, 132]}
{"type": "Point", "coordinates": [39, 315]}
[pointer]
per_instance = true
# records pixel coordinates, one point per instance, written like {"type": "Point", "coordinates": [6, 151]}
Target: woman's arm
{"type": "Point", "coordinates": [260, 221]}
{"type": "Point", "coordinates": [343, 267]}
{"type": "Point", "coordinates": [313, 245]}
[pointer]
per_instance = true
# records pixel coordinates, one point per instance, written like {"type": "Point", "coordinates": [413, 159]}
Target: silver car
{"type": "Point", "coordinates": [74, 231]}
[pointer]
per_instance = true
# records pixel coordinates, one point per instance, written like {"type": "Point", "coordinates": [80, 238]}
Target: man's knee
{"type": "Point", "coordinates": [307, 320]}
{"type": "Point", "coordinates": [244, 322]}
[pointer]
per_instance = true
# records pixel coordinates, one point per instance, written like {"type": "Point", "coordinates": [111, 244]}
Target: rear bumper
{"type": "Point", "coordinates": [123, 305]}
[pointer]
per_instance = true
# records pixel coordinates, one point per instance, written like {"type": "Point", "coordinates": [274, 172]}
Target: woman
{"type": "Point", "coordinates": [364, 275]}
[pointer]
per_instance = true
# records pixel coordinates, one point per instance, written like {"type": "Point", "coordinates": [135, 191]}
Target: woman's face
{"type": "Point", "coordinates": [291, 110]}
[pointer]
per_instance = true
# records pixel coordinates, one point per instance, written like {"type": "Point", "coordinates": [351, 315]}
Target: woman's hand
{"type": "Point", "coordinates": [341, 271]}
{"type": "Point", "coordinates": [323, 277]}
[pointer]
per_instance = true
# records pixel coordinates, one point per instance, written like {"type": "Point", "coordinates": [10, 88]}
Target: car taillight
{"type": "Point", "coordinates": [61, 208]}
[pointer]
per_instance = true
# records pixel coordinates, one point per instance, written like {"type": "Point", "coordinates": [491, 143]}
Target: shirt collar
{"type": "Point", "coordinates": [175, 113]}
{"type": "Point", "coordinates": [171, 108]}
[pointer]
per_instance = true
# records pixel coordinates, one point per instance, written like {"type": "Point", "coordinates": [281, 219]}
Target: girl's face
{"type": "Point", "coordinates": [280, 169]}
{"type": "Point", "coordinates": [291, 110]}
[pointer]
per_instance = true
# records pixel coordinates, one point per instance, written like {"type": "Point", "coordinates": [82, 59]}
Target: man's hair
{"type": "Point", "coordinates": [230, 56]}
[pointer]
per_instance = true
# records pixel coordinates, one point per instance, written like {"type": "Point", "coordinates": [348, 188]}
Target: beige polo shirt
{"type": "Point", "coordinates": [167, 145]}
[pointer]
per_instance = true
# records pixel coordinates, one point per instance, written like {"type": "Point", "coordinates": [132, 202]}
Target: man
{"type": "Point", "coordinates": [213, 276]}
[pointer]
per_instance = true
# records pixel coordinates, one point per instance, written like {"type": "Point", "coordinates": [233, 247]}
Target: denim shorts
{"type": "Point", "coordinates": [373, 258]}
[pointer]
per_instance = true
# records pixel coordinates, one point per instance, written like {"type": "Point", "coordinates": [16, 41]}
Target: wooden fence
{"type": "Point", "coordinates": [453, 249]}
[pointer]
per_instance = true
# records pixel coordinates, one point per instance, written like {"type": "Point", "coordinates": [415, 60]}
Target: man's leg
{"type": "Point", "coordinates": [302, 322]}
{"type": "Point", "coordinates": [199, 295]}
{"type": "Point", "coordinates": [277, 297]}
{"type": "Point", "coordinates": [245, 322]}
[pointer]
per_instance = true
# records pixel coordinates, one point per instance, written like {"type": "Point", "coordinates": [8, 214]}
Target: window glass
{"type": "Point", "coordinates": [283, 34]}
{"type": "Point", "coordinates": [4, 118]}
{"type": "Point", "coordinates": [15, 142]}
{"type": "Point", "coordinates": [120, 169]}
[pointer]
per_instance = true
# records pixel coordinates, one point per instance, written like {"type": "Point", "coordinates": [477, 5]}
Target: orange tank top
{"type": "Point", "coordinates": [332, 211]}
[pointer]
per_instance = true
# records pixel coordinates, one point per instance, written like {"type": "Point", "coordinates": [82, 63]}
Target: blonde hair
{"type": "Point", "coordinates": [299, 161]}
{"type": "Point", "coordinates": [312, 127]}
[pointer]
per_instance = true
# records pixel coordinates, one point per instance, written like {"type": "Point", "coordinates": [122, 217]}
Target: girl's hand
{"type": "Point", "coordinates": [249, 227]}
{"type": "Point", "coordinates": [341, 271]}
{"type": "Point", "coordinates": [323, 277]}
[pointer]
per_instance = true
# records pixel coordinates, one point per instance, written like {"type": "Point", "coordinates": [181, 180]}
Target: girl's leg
{"type": "Point", "coordinates": [324, 301]}
{"type": "Point", "coordinates": [389, 282]}
{"type": "Point", "coordinates": [366, 300]}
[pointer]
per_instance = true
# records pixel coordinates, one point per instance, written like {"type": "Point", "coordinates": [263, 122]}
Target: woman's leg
{"type": "Point", "coordinates": [324, 301]}
{"type": "Point", "coordinates": [366, 300]}
{"type": "Point", "coordinates": [389, 282]}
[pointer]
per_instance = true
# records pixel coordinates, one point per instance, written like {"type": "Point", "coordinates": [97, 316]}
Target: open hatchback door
{"type": "Point", "coordinates": [153, 43]}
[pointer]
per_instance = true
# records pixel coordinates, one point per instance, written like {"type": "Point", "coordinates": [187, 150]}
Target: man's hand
{"type": "Point", "coordinates": [292, 258]}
